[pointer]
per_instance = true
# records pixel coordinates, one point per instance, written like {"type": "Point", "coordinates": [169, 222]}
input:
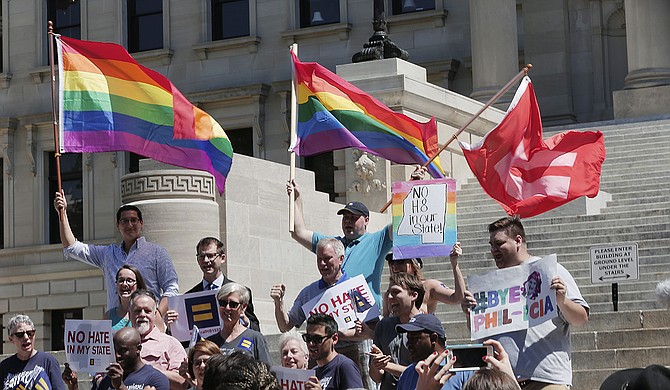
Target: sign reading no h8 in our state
{"type": "Point", "coordinates": [614, 263]}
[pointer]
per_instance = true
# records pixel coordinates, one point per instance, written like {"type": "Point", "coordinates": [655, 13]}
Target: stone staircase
{"type": "Point", "coordinates": [636, 175]}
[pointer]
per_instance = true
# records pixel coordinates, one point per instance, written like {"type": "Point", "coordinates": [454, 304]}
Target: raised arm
{"type": "Point", "coordinates": [66, 235]}
{"type": "Point", "coordinates": [300, 232]}
{"type": "Point", "coordinates": [277, 294]}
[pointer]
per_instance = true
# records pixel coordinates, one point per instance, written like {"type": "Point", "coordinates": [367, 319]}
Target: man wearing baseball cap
{"type": "Point", "coordinates": [425, 335]}
{"type": "Point", "coordinates": [651, 378]}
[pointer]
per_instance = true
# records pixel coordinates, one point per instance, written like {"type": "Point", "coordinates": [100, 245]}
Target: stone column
{"type": "Point", "coordinates": [179, 208]}
{"type": "Point", "coordinates": [495, 50]}
{"type": "Point", "coordinates": [647, 85]}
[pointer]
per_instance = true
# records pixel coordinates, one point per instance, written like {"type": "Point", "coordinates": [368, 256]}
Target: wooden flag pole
{"type": "Point", "coordinates": [523, 72]}
{"type": "Point", "coordinates": [54, 113]}
{"type": "Point", "coordinates": [293, 124]}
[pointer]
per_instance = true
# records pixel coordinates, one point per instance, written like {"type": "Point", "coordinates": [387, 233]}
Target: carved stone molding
{"type": "Point", "coordinates": [7, 128]}
{"type": "Point", "coordinates": [167, 184]}
{"type": "Point", "coordinates": [366, 169]}
{"type": "Point", "coordinates": [31, 129]}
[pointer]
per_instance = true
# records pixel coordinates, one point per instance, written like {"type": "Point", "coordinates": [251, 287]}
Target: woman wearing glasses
{"type": "Point", "coordinates": [234, 336]}
{"type": "Point", "coordinates": [128, 280]}
{"type": "Point", "coordinates": [28, 368]}
{"type": "Point", "coordinates": [193, 370]}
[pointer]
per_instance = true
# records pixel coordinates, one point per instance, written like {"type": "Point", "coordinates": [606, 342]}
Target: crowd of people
{"type": "Point", "coordinates": [405, 348]}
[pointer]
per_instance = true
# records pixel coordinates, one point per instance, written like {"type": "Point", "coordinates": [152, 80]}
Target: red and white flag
{"type": "Point", "coordinates": [528, 175]}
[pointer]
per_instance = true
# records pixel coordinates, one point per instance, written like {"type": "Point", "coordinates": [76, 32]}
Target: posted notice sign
{"type": "Point", "coordinates": [614, 263]}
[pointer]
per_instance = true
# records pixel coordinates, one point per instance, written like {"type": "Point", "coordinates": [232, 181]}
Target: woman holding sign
{"type": "Point", "coordinates": [28, 368]}
{"type": "Point", "coordinates": [193, 369]}
{"type": "Point", "coordinates": [128, 280]}
{"type": "Point", "coordinates": [233, 299]}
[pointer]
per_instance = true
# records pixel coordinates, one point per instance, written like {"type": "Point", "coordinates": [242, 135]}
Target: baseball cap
{"type": "Point", "coordinates": [420, 323]}
{"type": "Point", "coordinates": [651, 378]}
{"type": "Point", "coordinates": [389, 257]}
{"type": "Point", "coordinates": [357, 208]}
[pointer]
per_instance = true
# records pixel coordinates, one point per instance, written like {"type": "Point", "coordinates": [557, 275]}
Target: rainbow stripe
{"type": "Point", "coordinates": [334, 114]}
{"type": "Point", "coordinates": [109, 102]}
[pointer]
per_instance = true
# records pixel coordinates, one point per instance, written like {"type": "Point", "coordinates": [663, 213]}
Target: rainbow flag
{"type": "Point", "coordinates": [334, 114]}
{"type": "Point", "coordinates": [109, 102]}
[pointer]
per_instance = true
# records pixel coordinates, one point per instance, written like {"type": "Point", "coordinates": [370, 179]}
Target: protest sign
{"type": "Point", "coordinates": [292, 378]}
{"type": "Point", "coordinates": [513, 298]}
{"type": "Point", "coordinates": [346, 302]}
{"type": "Point", "coordinates": [424, 218]}
{"type": "Point", "coordinates": [88, 345]}
{"type": "Point", "coordinates": [200, 309]}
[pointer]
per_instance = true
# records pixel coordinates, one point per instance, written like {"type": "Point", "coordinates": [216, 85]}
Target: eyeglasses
{"type": "Point", "coordinates": [232, 304]}
{"type": "Point", "coordinates": [208, 256]}
{"type": "Point", "coordinates": [19, 335]}
{"type": "Point", "coordinates": [129, 221]}
{"type": "Point", "coordinates": [200, 361]}
{"type": "Point", "coordinates": [314, 338]}
{"type": "Point", "coordinates": [130, 282]}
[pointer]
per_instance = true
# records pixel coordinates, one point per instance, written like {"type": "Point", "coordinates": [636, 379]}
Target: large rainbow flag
{"type": "Point", "coordinates": [109, 102]}
{"type": "Point", "coordinates": [334, 114]}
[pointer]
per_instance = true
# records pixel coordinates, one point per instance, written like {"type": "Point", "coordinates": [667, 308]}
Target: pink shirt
{"type": "Point", "coordinates": [162, 351]}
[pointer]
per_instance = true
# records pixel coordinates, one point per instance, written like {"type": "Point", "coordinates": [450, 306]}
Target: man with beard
{"type": "Point", "coordinates": [129, 370]}
{"type": "Point", "coordinates": [161, 351]}
{"type": "Point", "coordinates": [151, 259]}
{"type": "Point", "coordinates": [426, 336]}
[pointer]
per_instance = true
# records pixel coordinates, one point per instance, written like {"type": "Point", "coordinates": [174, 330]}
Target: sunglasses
{"type": "Point", "coordinates": [314, 338]}
{"type": "Point", "coordinates": [231, 304]}
{"type": "Point", "coordinates": [19, 335]}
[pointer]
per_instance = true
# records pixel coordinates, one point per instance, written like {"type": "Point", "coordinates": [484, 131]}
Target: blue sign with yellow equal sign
{"type": "Point", "coordinates": [202, 311]}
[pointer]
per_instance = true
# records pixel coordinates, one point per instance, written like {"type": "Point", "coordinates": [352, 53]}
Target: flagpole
{"type": "Point", "coordinates": [293, 124]}
{"type": "Point", "coordinates": [523, 72]}
{"type": "Point", "coordinates": [54, 109]}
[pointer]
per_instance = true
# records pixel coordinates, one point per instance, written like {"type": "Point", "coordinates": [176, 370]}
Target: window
{"type": "Point", "coordinates": [66, 16]}
{"type": "Point", "coordinates": [2, 211]}
{"type": "Point", "coordinates": [242, 140]}
{"type": "Point", "coordinates": [406, 6]}
{"type": "Point", "coordinates": [230, 19]}
{"type": "Point", "coordinates": [145, 25]}
{"type": "Point", "coordinates": [134, 162]}
{"type": "Point", "coordinates": [318, 12]}
{"type": "Point", "coordinates": [324, 172]}
{"type": "Point", "coordinates": [58, 318]}
{"type": "Point", "coordinates": [71, 178]}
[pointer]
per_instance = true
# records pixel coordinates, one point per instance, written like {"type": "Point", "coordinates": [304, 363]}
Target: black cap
{"type": "Point", "coordinates": [389, 257]}
{"type": "Point", "coordinates": [651, 378]}
{"type": "Point", "coordinates": [421, 323]}
{"type": "Point", "coordinates": [356, 208]}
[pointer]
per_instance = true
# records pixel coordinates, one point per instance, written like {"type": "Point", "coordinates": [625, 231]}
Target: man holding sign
{"type": "Point", "coordinates": [541, 354]}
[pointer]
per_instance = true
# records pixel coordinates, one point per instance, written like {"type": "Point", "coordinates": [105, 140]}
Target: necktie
{"type": "Point", "coordinates": [210, 286]}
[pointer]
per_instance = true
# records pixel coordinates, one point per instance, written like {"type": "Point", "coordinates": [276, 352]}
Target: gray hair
{"type": "Point", "coordinates": [230, 288]}
{"type": "Point", "coordinates": [18, 319]}
{"type": "Point", "coordinates": [143, 293]}
{"type": "Point", "coordinates": [332, 242]}
{"type": "Point", "coordinates": [293, 335]}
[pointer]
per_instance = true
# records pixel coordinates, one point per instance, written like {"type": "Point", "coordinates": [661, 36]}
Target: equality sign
{"type": "Point", "coordinates": [614, 263]}
{"type": "Point", "coordinates": [347, 302]}
{"type": "Point", "coordinates": [199, 309]}
{"type": "Point", "coordinates": [292, 378]}
{"type": "Point", "coordinates": [424, 218]}
{"type": "Point", "coordinates": [88, 345]}
{"type": "Point", "coordinates": [521, 298]}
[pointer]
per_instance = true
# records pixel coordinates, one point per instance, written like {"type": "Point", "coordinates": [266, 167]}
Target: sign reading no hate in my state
{"type": "Point", "coordinates": [614, 263]}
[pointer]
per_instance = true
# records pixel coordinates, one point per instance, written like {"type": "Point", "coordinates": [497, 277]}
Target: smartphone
{"type": "Point", "coordinates": [469, 357]}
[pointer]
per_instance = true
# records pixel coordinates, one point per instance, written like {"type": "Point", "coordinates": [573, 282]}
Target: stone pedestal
{"type": "Point", "coordinates": [179, 208]}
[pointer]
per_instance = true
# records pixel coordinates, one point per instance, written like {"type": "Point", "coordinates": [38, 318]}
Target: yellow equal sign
{"type": "Point", "coordinates": [203, 307]}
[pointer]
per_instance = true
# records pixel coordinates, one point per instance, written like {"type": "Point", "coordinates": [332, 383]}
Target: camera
{"type": "Point", "coordinates": [469, 357]}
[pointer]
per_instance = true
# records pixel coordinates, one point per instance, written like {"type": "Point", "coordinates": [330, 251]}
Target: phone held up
{"type": "Point", "coordinates": [469, 357]}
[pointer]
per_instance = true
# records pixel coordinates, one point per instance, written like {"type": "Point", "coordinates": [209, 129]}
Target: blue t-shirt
{"type": "Point", "coordinates": [341, 373]}
{"type": "Point", "coordinates": [40, 372]}
{"type": "Point", "coordinates": [364, 256]}
{"type": "Point", "coordinates": [409, 378]}
{"type": "Point", "coordinates": [145, 376]}
{"type": "Point", "coordinates": [250, 342]}
{"type": "Point", "coordinates": [296, 315]}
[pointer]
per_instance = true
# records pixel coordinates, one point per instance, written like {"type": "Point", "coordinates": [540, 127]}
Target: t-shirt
{"type": "Point", "coordinates": [341, 373]}
{"type": "Point", "coordinates": [41, 371]}
{"type": "Point", "coordinates": [250, 342]}
{"type": "Point", "coordinates": [296, 315]}
{"type": "Point", "coordinates": [364, 256]}
{"type": "Point", "coordinates": [546, 347]}
{"type": "Point", "coordinates": [409, 378]}
{"type": "Point", "coordinates": [393, 344]}
{"type": "Point", "coordinates": [145, 376]}
{"type": "Point", "coordinates": [118, 322]}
